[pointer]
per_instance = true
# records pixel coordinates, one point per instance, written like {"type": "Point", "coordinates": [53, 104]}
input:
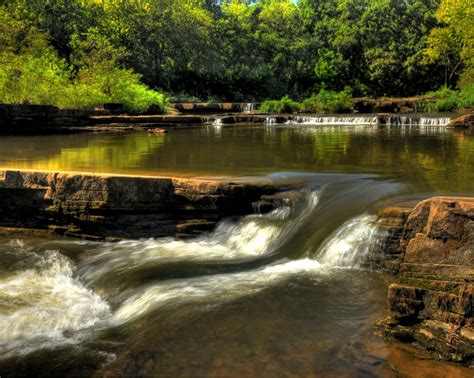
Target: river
{"type": "Point", "coordinates": [277, 294]}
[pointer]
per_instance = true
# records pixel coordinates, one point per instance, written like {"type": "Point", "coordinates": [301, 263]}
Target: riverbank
{"type": "Point", "coordinates": [38, 119]}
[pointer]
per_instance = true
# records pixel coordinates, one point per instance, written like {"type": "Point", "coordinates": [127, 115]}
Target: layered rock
{"type": "Point", "coordinates": [108, 206]}
{"type": "Point", "coordinates": [433, 303]}
{"type": "Point", "coordinates": [466, 121]}
{"type": "Point", "coordinates": [392, 222]}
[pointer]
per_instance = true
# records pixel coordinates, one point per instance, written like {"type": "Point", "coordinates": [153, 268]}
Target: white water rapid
{"type": "Point", "coordinates": [40, 305]}
{"type": "Point", "coordinates": [250, 107]}
{"type": "Point", "coordinates": [55, 302]}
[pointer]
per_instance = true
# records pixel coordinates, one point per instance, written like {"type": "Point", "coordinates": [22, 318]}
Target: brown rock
{"type": "Point", "coordinates": [466, 120]}
{"type": "Point", "coordinates": [111, 206]}
{"type": "Point", "coordinates": [433, 304]}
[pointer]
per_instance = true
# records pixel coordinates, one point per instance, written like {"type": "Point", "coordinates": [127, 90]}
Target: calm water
{"type": "Point", "coordinates": [428, 157]}
{"type": "Point", "coordinates": [281, 294]}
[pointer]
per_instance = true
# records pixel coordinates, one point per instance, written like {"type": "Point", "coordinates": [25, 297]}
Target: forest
{"type": "Point", "coordinates": [143, 53]}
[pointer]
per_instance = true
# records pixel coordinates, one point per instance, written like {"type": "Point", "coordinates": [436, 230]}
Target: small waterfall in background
{"type": "Point", "coordinates": [392, 120]}
{"type": "Point", "coordinates": [353, 245]}
{"type": "Point", "coordinates": [417, 121]}
{"type": "Point", "coordinates": [217, 122]}
{"type": "Point", "coordinates": [250, 107]}
{"type": "Point", "coordinates": [333, 120]}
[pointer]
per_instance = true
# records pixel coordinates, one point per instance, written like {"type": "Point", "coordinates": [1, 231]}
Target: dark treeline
{"type": "Point", "coordinates": [245, 50]}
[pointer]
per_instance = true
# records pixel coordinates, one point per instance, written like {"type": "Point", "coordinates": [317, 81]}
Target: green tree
{"type": "Point", "coordinates": [452, 43]}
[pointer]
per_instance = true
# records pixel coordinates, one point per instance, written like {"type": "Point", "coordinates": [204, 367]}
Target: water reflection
{"type": "Point", "coordinates": [431, 158]}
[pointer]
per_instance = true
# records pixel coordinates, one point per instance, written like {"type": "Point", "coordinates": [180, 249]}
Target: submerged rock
{"type": "Point", "coordinates": [433, 303]}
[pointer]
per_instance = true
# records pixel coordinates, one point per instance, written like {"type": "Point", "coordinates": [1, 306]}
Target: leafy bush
{"type": "Point", "coordinates": [285, 105]}
{"type": "Point", "coordinates": [111, 84]}
{"type": "Point", "coordinates": [31, 72]}
{"type": "Point", "coordinates": [443, 92]}
{"type": "Point", "coordinates": [449, 100]}
{"type": "Point", "coordinates": [329, 101]}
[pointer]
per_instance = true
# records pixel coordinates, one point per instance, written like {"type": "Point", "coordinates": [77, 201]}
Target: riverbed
{"type": "Point", "coordinates": [275, 294]}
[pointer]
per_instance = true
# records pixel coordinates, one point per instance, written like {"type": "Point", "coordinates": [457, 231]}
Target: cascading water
{"type": "Point", "coordinates": [217, 122]}
{"type": "Point", "coordinates": [39, 305]}
{"type": "Point", "coordinates": [250, 237]}
{"type": "Point", "coordinates": [250, 107]}
{"type": "Point", "coordinates": [352, 245]}
{"type": "Point", "coordinates": [215, 289]}
{"type": "Point", "coordinates": [43, 304]}
{"type": "Point", "coordinates": [333, 120]}
{"type": "Point", "coordinates": [396, 120]}
{"type": "Point", "coordinates": [392, 120]}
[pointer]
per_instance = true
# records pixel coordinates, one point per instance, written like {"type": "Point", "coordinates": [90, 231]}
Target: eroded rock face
{"type": "Point", "coordinates": [433, 303]}
{"type": "Point", "coordinates": [102, 206]}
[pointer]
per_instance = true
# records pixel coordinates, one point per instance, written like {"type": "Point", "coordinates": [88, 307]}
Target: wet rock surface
{"type": "Point", "coordinates": [433, 303]}
{"type": "Point", "coordinates": [106, 206]}
{"type": "Point", "coordinates": [466, 120]}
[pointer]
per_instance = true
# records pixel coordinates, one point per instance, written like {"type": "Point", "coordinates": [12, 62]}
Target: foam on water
{"type": "Point", "coordinates": [38, 306]}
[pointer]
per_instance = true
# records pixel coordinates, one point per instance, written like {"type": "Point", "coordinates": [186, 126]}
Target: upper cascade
{"type": "Point", "coordinates": [381, 119]}
{"type": "Point", "coordinates": [250, 107]}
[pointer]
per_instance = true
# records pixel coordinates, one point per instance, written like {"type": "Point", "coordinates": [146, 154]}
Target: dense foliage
{"type": "Point", "coordinates": [79, 52]}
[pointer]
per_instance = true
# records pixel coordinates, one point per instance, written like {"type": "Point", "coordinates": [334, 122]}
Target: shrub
{"type": "Point", "coordinates": [450, 100]}
{"type": "Point", "coordinates": [285, 105]}
{"type": "Point", "coordinates": [443, 92]}
{"type": "Point", "coordinates": [329, 101]}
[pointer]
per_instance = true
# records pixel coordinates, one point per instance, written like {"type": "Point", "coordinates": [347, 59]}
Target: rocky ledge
{"type": "Point", "coordinates": [432, 248]}
{"type": "Point", "coordinates": [99, 206]}
{"type": "Point", "coordinates": [464, 121]}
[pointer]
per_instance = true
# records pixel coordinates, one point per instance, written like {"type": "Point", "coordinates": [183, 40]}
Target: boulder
{"type": "Point", "coordinates": [433, 303]}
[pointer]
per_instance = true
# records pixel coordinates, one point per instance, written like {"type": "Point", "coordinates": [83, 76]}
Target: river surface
{"type": "Point", "coordinates": [279, 294]}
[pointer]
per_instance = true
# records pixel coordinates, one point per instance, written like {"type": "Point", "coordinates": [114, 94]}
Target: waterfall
{"type": "Point", "coordinates": [353, 244]}
{"type": "Point", "coordinates": [271, 121]}
{"type": "Point", "coordinates": [250, 107]}
{"type": "Point", "coordinates": [392, 120]}
{"type": "Point", "coordinates": [396, 120]}
{"type": "Point", "coordinates": [215, 289]}
{"type": "Point", "coordinates": [440, 121]}
{"type": "Point", "coordinates": [333, 120]}
{"type": "Point", "coordinates": [217, 122]}
{"type": "Point", "coordinates": [249, 237]}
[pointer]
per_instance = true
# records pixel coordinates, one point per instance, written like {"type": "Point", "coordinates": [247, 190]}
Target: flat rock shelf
{"type": "Point", "coordinates": [98, 206]}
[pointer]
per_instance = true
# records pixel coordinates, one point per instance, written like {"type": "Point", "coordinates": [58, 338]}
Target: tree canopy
{"type": "Point", "coordinates": [235, 49]}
